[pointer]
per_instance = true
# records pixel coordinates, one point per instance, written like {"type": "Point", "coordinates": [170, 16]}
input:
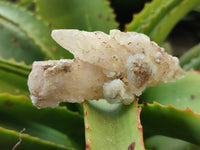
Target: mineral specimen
{"type": "Point", "coordinates": [117, 67]}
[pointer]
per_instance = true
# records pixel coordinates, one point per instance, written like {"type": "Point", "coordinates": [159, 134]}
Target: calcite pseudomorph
{"type": "Point", "coordinates": [116, 67]}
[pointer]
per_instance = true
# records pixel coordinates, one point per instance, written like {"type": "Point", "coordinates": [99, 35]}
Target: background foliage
{"type": "Point", "coordinates": [170, 112]}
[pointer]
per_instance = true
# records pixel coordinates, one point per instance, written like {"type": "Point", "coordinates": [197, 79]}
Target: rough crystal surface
{"type": "Point", "coordinates": [116, 67]}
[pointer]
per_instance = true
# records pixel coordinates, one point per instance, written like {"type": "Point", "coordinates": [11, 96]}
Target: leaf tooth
{"type": "Point", "coordinates": [6, 93]}
{"type": "Point", "coordinates": [12, 60]}
{"type": "Point", "coordinates": [188, 110]}
{"type": "Point", "coordinates": [88, 141]}
{"type": "Point", "coordinates": [135, 15]}
{"type": "Point", "coordinates": [146, 4]}
{"type": "Point", "coordinates": [191, 111]}
{"type": "Point", "coordinates": [156, 103]}
{"type": "Point", "coordinates": [24, 96]}
{"type": "Point", "coordinates": [139, 125]}
{"type": "Point", "coordinates": [112, 11]}
{"type": "Point", "coordinates": [22, 63]}
{"type": "Point", "coordinates": [170, 105]}
{"type": "Point", "coordinates": [144, 26]}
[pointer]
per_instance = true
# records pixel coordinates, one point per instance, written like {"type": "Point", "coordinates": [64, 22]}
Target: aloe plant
{"type": "Point", "coordinates": [170, 109]}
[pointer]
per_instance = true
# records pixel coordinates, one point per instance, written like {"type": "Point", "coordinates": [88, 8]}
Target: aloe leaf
{"type": "Point", "coordinates": [170, 121]}
{"type": "Point", "coordinates": [10, 137]}
{"type": "Point", "coordinates": [35, 29]}
{"type": "Point", "coordinates": [159, 143]}
{"type": "Point", "coordinates": [190, 54]}
{"type": "Point", "coordinates": [13, 77]}
{"type": "Point", "coordinates": [17, 68]}
{"type": "Point", "coordinates": [12, 83]}
{"type": "Point", "coordinates": [87, 15]}
{"type": "Point", "coordinates": [57, 125]}
{"type": "Point", "coordinates": [182, 94]}
{"type": "Point", "coordinates": [112, 126]}
{"type": "Point", "coordinates": [194, 64]}
{"type": "Point", "coordinates": [15, 44]}
{"type": "Point", "coordinates": [191, 59]}
{"type": "Point", "coordinates": [159, 17]}
{"type": "Point", "coordinates": [181, 118]}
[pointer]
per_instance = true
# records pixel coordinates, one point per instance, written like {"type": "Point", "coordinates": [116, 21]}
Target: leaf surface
{"type": "Point", "coordinates": [35, 29]}
{"type": "Point", "coordinates": [159, 143]}
{"type": "Point", "coordinates": [191, 59]}
{"type": "Point", "coordinates": [159, 17]}
{"type": "Point", "coordinates": [58, 125]}
{"type": "Point", "coordinates": [10, 137]}
{"type": "Point", "coordinates": [87, 15]}
{"type": "Point", "coordinates": [13, 78]}
{"type": "Point", "coordinates": [112, 126]}
{"type": "Point", "coordinates": [15, 44]}
{"type": "Point", "coordinates": [177, 115]}
{"type": "Point", "coordinates": [170, 121]}
{"type": "Point", "coordinates": [184, 93]}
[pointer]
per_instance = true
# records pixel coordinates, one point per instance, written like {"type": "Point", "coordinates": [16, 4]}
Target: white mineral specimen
{"type": "Point", "coordinates": [116, 67]}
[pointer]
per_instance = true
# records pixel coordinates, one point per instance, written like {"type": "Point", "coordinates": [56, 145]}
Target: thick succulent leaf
{"type": "Point", "coordinates": [35, 29]}
{"type": "Point", "coordinates": [15, 44]}
{"type": "Point", "coordinates": [76, 107]}
{"type": "Point", "coordinates": [17, 68]}
{"type": "Point", "coordinates": [183, 119]}
{"type": "Point", "coordinates": [112, 126]}
{"type": "Point", "coordinates": [87, 15]}
{"type": "Point", "coordinates": [12, 83]}
{"type": "Point", "coordinates": [170, 121]}
{"type": "Point", "coordinates": [159, 143]}
{"type": "Point", "coordinates": [159, 17]}
{"type": "Point", "coordinates": [9, 138]}
{"type": "Point", "coordinates": [191, 59]}
{"type": "Point", "coordinates": [194, 64]}
{"type": "Point", "coordinates": [13, 78]}
{"type": "Point", "coordinates": [184, 93]}
{"type": "Point", "coordinates": [57, 125]}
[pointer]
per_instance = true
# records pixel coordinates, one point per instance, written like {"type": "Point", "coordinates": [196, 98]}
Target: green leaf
{"type": "Point", "coordinates": [181, 118]}
{"type": "Point", "coordinates": [159, 143]}
{"type": "Point", "coordinates": [182, 94]}
{"type": "Point", "coordinates": [57, 125]}
{"type": "Point", "coordinates": [35, 29]}
{"type": "Point", "coordinates": [17, 68]}
{"type": "Point", "coordinates": [9, 138]}
{"type": "Point", "coordinates": [13, 78]}
{"type": "Point", "coordinates": [87, 15]}
{"type": "Point", "coordinates": [15, 44]}
{"type": "Point", "coordinates": [190, 54]}
{"type": "Point", "coordinates": [112, 126]}
{"type": "Point", "coordinates": [170, 121]}
{"type": "Point", "coordinates": [194, 64]}
{"type": "Point", "coordinates": [191, 59]}
{"type": "Point", "coordinates": [12, 83]}
{"type": "Point", "coordinates": [158, 18]}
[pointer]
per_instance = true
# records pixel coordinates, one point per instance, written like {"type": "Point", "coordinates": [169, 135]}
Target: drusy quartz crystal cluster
{"type": "Point", "coordinates": [116, 66]}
